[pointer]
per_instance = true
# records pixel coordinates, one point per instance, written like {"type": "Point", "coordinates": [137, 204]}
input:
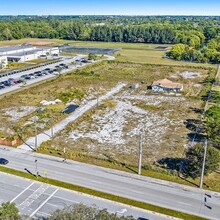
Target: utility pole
{"type": "Point", "coordinates": [52, 127]}
{"type": "Point", "coordinates": [140, 154]}
{"type": "Point", "coordinates": [35, 121]}
{"type": "Point", "coordinates": [64, 151]}
{"type": "Point", "coordinates": [203, 165]}
{"type": "Point", "coordinates": [97, 100]}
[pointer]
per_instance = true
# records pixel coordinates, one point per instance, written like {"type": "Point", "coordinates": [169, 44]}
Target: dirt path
{"type": "Point", "coordinates": [34, 142]}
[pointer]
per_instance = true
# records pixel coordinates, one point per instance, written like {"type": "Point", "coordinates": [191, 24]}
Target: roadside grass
{"type": "Point", "coordinates": [39, 61]}
{"type": "Point", "coordinates": [13, 65]}
{"type": "Point", "coordinates": [100, 194]}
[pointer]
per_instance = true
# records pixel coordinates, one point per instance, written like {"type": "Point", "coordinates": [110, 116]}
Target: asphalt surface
{"type": "Point", "coordinates": [39, 200]}
{"type": "Point", "coordinates": [162, 193]}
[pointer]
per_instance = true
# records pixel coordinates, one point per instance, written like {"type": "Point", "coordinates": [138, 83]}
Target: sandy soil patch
{"type": "Point", "coordinates": [16, 113]}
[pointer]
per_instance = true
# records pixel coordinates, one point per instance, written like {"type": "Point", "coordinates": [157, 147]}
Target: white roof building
{"type": "Point", "coordinates": [22, 53]}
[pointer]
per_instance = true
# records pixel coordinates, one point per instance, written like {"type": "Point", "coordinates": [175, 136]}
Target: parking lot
{"type": "Point", "coordinates": [39, 200]}
{"type": "Point", "coordinates": [19, 79]}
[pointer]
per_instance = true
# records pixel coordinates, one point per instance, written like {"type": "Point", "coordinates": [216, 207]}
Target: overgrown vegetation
{"type": "Point", "coordinates": [83, 212]}
{"type": "Point", "coordinates": [194, 160]}
{"type": "Point", "coordinates": [9, 211]}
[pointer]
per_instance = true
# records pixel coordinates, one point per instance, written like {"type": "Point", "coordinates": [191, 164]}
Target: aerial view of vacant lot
{"type": "Point", "coordinates": [112, 130]}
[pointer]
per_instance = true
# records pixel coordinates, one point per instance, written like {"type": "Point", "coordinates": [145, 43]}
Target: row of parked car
{"type": "Point", "coordinates": [23, 78]}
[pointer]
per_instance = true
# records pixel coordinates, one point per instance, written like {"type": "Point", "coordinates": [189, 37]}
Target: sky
{"type": "Point", "coordinates": [110, 7]}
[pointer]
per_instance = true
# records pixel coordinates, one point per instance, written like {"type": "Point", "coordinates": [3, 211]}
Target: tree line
{"type": "Point", "coordinates": [105, 28]}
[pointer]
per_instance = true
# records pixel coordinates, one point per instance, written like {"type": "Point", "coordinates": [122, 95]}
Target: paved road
{"type": "Point", "coordinates": [34, 142]}
{"type": "Point", "coordinates": [40, 200]}
{"type": "Point", "coordinates": [162, 193]}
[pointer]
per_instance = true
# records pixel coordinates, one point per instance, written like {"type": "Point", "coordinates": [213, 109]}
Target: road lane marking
{"type": "Point", "coordinates": [33, 196]}
{"type": "Point", "coordinates": [185, 203]}
{"type": "Point", "coordinates": [39, 207]}
{"type": "Point", "coordinates": [44, 214]}
{"type": "Point", "coordinates": [22, 192]}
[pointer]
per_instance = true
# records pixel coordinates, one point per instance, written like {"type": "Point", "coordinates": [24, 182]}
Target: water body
{"type": "Point", "coordinates": [96, 50]}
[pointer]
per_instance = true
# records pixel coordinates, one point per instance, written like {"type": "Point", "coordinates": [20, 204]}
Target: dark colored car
{"type": "Point", "coordinates": [3, 161]}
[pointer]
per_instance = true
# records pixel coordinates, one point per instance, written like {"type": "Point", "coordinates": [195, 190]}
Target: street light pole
{"type": "Point", "coordinates": [203, 165]}
{"type": "Point", "coordinates": [36, 171]}
{"type": "Point", "coordinates": [140, 154]}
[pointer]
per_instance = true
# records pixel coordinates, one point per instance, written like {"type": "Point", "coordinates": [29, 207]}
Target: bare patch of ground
{"type": "Point", "coordinates": [190, 75]}
{"type": "Point", "coordinates": [16, 113]}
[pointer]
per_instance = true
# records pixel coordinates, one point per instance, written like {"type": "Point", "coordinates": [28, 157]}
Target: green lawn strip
{"type": "Point", "coordinates": [104, 195]}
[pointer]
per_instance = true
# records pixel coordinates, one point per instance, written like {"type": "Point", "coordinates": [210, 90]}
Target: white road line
{"type": "Point", "coordinates": [44, 214]}
{"type": "Point", "coordinates": [39, 207]}
{"type": "Point", "coordinates": [185, 203]}
{"type": "Point", "coordinates": [22, 192]}
{"type": "Point", "coordinates": [73, 201]}
{"type": "Point", "coordinates": [57, 206]}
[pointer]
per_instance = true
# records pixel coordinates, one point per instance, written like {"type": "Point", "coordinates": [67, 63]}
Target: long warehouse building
{"type": "Point", "coordinates": [22, 53]}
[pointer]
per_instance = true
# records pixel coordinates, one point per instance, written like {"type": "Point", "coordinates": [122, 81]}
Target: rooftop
{"type": "Point", "coordinates": [19, 54]}
{"type": "Point", "coordinates": [16, 47]}
{"type": "Point", "coordinates": [167, 84]}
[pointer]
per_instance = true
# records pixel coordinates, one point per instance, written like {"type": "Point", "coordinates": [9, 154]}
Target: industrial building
{"type": "Point", "coordinates": [23, 53]}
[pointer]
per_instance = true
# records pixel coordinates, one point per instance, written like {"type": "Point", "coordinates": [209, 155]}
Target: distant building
{"type": "Point", "coordinates": [22, 53]}
{"type": "Point", "coordinates": [166, 85]}
{"type": "Point", "coordinates": [135, 86]}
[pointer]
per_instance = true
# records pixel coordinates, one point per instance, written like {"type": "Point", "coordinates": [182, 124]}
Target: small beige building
{"type": "Point", "coordinates": [166, 85]}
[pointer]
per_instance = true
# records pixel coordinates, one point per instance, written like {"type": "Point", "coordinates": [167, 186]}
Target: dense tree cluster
{"type": "Point", "coordinates": [194, 160]}
{"type": "Point", "coordinates": [196, 51]}
{"type": "Point", "coordinates": [212, 124]}
{"type": "Point", "coordinates": [196, 38]}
